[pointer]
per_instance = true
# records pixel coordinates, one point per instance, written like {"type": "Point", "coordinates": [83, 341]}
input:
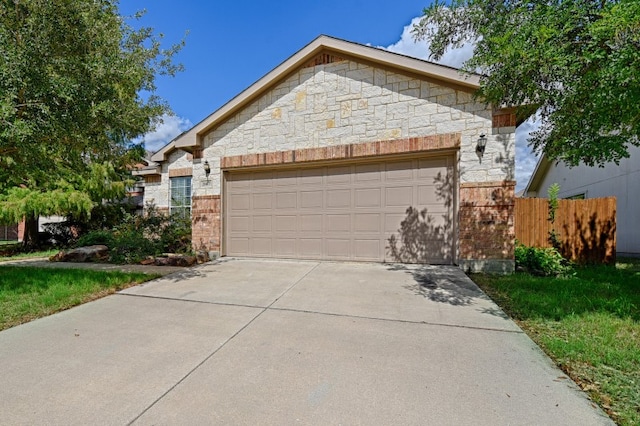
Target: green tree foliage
{"type": "Point", "coordinates": [577, 62]}
{"type": "Point", "coordinates": [552, 193]}
{"type": "Point", "coordinates": [77, 85]}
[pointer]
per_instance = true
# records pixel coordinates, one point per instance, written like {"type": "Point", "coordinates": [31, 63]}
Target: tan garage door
{"type": "Point", "coordinates": [399, 210]}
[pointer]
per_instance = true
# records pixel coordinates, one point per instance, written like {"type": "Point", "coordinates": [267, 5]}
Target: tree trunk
{"type": "Point", "coordinates": [30, 239]}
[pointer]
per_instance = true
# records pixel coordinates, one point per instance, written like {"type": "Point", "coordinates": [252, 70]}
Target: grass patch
{"type": "Point", "coordinates": [588, 323]}
{"type": "Point", "coordinates": [29, 293]}
{"type": "Point", "coordinates": [4, 257]}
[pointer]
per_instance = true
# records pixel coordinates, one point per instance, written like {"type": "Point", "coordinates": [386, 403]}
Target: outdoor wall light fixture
{"type": "Point", "coordinates": [207, 168]}
{"type": "Point", "coordinates": [482, 143]}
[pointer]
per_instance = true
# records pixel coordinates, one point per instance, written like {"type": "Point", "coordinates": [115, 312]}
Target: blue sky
{"type": "Point", "coordinates": [231, 44]}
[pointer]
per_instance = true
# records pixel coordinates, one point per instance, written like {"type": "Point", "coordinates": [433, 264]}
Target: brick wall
{"type": "Point", "coordinates": [205, 222]}
{"type": "Point", "coordinates": [486, 226]}
{"type": "Point", "coordinates": [21, 229]}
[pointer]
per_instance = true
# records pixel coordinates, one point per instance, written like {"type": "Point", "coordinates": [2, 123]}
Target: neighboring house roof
{"type": "Point", "coordinates": [542, 167]}
{"type": "Point", "coordinates": [146, 167]}
{"type": "Point", "coordinates": [321, 45]}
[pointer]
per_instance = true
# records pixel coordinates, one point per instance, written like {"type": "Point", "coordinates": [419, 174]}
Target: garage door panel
{"type": "Point", "coordinates": [311, 176]}
{"type": "Point", "coordinates": [261, 246]}
{"type": "Point", "coordinates": [286, 178]}
{"type": "Point", "coordinates": [338, 222]}
{"type": "Point", "coordinates": [338, 248]}
{"type": "Point", "coordinates": [286, 223]}
{"type": "Point", "coordinates": [310, 248]}
{"type": "Point", "coordinates": [339, 175]}
{"type": "Point", "coordinates": [399, 196]}
{"type": "Point", "coordinates": [239, 224]}
{"type": "Point", "coordinates": [367, 249]}
{"type": "Point", "coordinates": [238, 183]}
{"type": "Point", "coordinates": [263, 180]}
{"type": "Point", "coordinates": [261, 224]}
{"type": "Point", "coordinates": [399, 171]}
{"type": "Point", "coordinates": [434, 174]}
{"type": "Point", "coordinates": [339, 198]}
{"type": "Point", "coordinates": [340, 212]}
{"type": "Point", "coordinates": [430, 195]}
{"type": "Point", "coordinates": [239, 246]}
{"type": "Point", "coordinates": [311, 223]}
{"type": "Point", "coordinates": [239, 202]}
{"type": "Point", "coordinates": [367, 222]}
{"type": "Point", "coordinates": [285, 247]}
{"type": "Point", "coordinates": [392, 221]}
{"type": "Point", "coordinates": [262, 201]}
{"type": "Point", "coordinates": [368, 197]}
{"type": "Point", "coordinates": [311, 199]}
{"type": "Point", "coordinates": [368, 173]}
{"type": "Point", "coordinates": [286, 200]}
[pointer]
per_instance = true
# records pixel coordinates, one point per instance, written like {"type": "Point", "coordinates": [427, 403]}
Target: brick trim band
{"type": "Point", "coordinates": [342, 152]}
{"type": "Point", "coordinates": [186, 171]}
{"type": "Point", "coordinates": [504, 120]}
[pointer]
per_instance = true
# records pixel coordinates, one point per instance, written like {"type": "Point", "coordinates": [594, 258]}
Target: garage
{"type": "Point", "coordinates": [347, 211]}
{"type": "Point", "coordinates": [349, 152]}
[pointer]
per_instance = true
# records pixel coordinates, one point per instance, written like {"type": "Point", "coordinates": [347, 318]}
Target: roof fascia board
{"type": "Point", "coordinates": [146, 172]}
{"type": "Point", "coordinates": [161, 155]}
{"type": "Point", "coordinates": [538, 175]}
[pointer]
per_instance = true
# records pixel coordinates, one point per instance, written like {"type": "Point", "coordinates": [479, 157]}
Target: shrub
{"type": "Point", "coordinates": [96, 237]}
{"type": "Point", "coordinates": [541, 261]}
{"type": "Point", "coordinates": [150, 235]}
{"type": "Point", "coordinates": [103, 217]}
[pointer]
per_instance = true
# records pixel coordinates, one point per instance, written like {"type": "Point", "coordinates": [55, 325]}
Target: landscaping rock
{"type": "Point", "coordinates": [202, 256]}
{"type": "Point", "coordinates": [148, 261]}
{"type": "Point", "coordinates": [175, 260]}
{"type": "Point", "coordinates": [95, 253]}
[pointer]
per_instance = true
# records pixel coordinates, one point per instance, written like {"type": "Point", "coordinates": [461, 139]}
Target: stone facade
{"type": "Point", "coordinates": [346, 103]}
{"type": "Point", "coordinates": [346, 109]}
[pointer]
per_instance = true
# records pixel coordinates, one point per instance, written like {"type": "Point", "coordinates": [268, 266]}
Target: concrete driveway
{"type": "Point", "coordinates": [284, 342]}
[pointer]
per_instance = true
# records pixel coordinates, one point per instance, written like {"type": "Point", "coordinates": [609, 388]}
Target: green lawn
{"type": "Point", "coordinates": [17, 255]}
{"type": "Point", "coordinates": [588, 323]}
{"type": "Point", "coordinates": [28, 293]}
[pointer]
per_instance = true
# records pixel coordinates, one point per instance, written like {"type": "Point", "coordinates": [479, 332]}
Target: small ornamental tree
{"type": "Point", "coordinates": [72, 79]}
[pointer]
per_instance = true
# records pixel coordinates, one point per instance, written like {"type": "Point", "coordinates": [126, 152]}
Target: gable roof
{"type": "Point", "coordinates": [542, 167]}
{"type": "Point", "coordinates": [321, 45]}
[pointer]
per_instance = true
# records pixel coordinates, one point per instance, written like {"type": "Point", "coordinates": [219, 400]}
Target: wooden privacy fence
{"type": "Point", "coordinates": [586, 229]}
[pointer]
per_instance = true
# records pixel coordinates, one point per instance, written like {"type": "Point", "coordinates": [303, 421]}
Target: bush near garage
{"type": "Point", "coordinates": [139, 237]}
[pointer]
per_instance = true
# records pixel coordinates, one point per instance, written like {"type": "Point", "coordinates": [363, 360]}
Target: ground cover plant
{"type": "Point", "coordinates": [28, 293]}
{"type": "Point", "coordinates": [587, 322]}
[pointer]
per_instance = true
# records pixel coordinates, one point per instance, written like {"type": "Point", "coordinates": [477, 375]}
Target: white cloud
{"type": "Point", "coordinates": [169, 127]}
{"type": "Point", "coordinates": [407, 46]}
{"type": "Point", "coordinates": [526, 159]}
